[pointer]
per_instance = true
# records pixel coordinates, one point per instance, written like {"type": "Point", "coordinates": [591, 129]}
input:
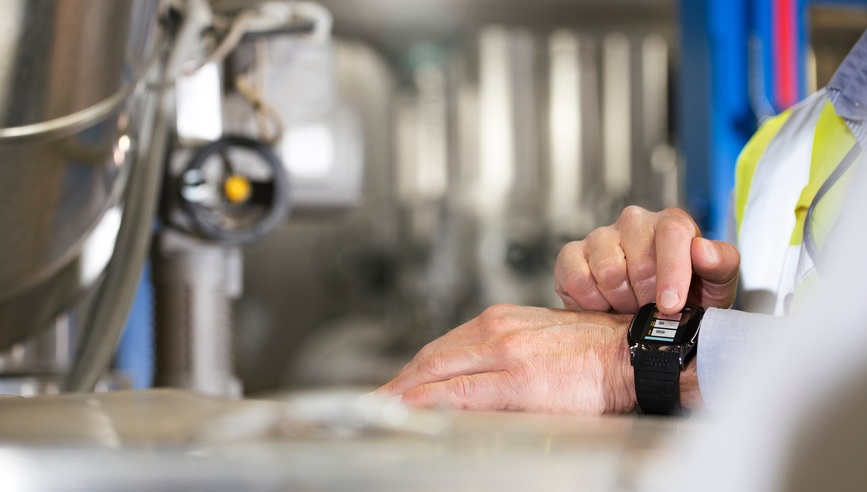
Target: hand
{"type": "Point", "coordinates": [646, 257]}
{"type": "Point", "coordinates": [523, 358]}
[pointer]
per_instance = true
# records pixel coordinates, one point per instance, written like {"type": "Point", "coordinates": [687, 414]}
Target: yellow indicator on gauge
{"type": "Point", "coordinates": [237, 188]}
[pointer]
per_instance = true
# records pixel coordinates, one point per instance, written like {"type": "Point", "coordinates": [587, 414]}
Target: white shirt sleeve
{"type": "Point", "coordinates": [727, 344]}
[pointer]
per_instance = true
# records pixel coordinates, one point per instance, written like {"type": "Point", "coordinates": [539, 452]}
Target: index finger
{"type": "Point", "coordinates": [484, 391]}
{"type": "Point", "coordinates": [442, 366]}
{"type": "Point", "coordinates": [674, 233]}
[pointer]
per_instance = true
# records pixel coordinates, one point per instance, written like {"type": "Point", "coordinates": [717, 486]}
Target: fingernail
{"type": "Point", "coordinates": [710, 251]}
{"type": "Point", "coordinates": [395, 399]}
{"type": "Point", "coordinates": [367, 396]}
{"type": "Point", "coordinates": [669, 299]}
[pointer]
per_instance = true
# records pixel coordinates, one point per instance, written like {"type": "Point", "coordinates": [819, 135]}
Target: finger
{"type": "Point", "coordinates": [674, 234]}
{"type": "Point", "coordinates": [493, 320]}
{"type": "Point", "coordinates": [485, 391]}
{"type": "Point", "coordinates": [640, 250]}
{"type": "Point", "coordinates": [451, 340]}
{"type": "Point", "coordinates": [715, 261]}
{"type": "Point", "coordinates": [574, 282]}
{"type": "Point", "coordinates": [442, 366]}
{"type": "Point", "coordinates": [608, 266]}
{"type": "Point", "coordinates": [715, 264]}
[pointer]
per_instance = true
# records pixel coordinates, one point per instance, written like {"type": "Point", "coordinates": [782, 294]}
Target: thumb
{"type": "Point", "coordinates": [716, 262]}
{"type": "Point", "coordinates": [715, 265]}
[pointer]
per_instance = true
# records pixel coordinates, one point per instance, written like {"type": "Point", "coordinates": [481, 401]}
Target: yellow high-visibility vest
{"type": "Point", "coordinates": [778, 175]}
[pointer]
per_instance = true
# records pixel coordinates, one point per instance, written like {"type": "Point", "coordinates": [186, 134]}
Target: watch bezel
{"type": "Point", "coordinates": [685, 349]}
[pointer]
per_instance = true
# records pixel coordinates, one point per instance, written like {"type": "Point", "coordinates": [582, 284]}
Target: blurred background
{"type": "Point", "coordinates": [441, 152]}
{"type": "Point", "coordinates": [494, 132]}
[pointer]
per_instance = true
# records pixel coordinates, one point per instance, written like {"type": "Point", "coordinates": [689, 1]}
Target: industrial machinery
{"type": "Point", "coordinates": [119, 117]}
{"type": "Point", "coordinates": [122, 121]}
{"type": "Point", "coordinates": [78, 125]}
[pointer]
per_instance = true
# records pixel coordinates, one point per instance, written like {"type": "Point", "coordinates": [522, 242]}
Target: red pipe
{"type": "Point", "coordinates": [785, 56]}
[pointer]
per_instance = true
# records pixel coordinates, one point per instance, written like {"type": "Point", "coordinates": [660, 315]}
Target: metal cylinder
{"type": "Point", "coordinates": [196, 283]}
{"type": "Point", "coordinates": [68, 126]}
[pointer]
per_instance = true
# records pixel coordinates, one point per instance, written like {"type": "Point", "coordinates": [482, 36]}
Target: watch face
{"type": "Point", "coordinates": [652, 328]}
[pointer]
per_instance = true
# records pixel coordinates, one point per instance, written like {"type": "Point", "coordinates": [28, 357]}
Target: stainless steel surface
{"type": "Point", "coordinates": [326, 441]}
{"type": "Point", "coordinates": [60, 58]}
{"type": "Point", "coordinates": [45, 356]}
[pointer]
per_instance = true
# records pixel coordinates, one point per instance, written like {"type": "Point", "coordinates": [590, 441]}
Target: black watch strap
{"type": "Point", "coordinates": [657, 378]}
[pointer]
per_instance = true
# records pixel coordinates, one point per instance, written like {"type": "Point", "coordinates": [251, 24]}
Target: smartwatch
{"type": "Point", "coordinates": [660, 345]}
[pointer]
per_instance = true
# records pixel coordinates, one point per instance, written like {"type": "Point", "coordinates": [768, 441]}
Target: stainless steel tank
{"type": "Point", "coordinates": [69, 111]}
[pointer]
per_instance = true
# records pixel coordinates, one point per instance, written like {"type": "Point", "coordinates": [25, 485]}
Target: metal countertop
{"type": "Point", "coordinates": [319, 440]}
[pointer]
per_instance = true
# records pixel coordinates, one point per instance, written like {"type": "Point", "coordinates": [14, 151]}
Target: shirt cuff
{"type": "Point", "coordinates": [728, 342]}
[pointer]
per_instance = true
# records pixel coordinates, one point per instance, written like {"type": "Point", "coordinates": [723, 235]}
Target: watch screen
{"type": "Point", "coordinates": [663, 327]}
{"type": "Point", "coordinates": [651, 326]}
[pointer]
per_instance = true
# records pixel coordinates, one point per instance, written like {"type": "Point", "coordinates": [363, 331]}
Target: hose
{"type": "Point", "coordinates": [264, 111]}
{"type": "Point", "coordinates": [229, 42]}
{"type": "Point", "coordinates": [270, 17]}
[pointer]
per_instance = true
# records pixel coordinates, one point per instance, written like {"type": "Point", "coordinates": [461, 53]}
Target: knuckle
{"type": "Point", "coordinates": [571, 249]}
{"type": "Point", "coordinates": [676, 225]}
{"type": "Point", "coordinates": [610, 272]}
{"type": "Point", "coordinates": [494, 327]}
{"type": "Point", "coordinates": [578, 286]}
{"type": "Point", "coordinates": [424, 352]}
{"type": "Point", "coordinates": [569, 258]}
{"type": "Point", "coordinates": [495, 312]}
{"type": "Point", "coordinates": [510, 346]}
{"type": "Point", "coordinates": [463, 388]}
{"type": "Point", "coordinates": [599, 236]}
{"type": "Point", "coordinates": [496, 319]}
{"type": "Point", "coordinates": [434, 364]}
{"type": "Point", "coordinates": [632, 215]}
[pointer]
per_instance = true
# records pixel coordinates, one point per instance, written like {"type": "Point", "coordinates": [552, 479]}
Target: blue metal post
{"type": "Point", "coordinates": [733, 121]}
{"type": "Point", "coordinates": [135, 353]}
{"type": "Point", "coordinates": [693, 111]}
{"type": "Point", "coordinates": [715, 116]}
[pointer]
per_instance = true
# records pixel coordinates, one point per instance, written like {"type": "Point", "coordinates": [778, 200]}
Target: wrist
{"type": "Point", "coordinates": [626, 400]}
{"type": "Point", "coordinates": [662, 349]}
